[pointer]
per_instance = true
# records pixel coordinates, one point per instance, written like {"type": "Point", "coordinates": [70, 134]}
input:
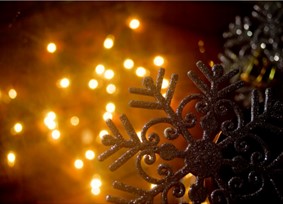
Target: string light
{"type": "Point", "coordinates": [18, 127]}
{"type": "Point", "coordinates": [107, 116]}
{"type": "Point", "coordinates": [49, 120]}
{"type": "Point", "coordinates": [109, 42]}
{"type": "Point", "coordinates": [158, 61]}
{"type": "Point", "coordinates": [134, 24]}
{"type": "Point", "coordinates": [11, 159]}
{"type": "Point", "coordinates": [102, 133]}
{"type": "Point", "coordinates": [89, 154]}
{"type": "Point", "coordinates": [95, 186]}
{"type": "Point", "coordinates": [56, 134]}
{"type": "Point", "coordinates": [128, 64]}
{"type": "Point", "coordinates": [110, 107]}
{"type": "Point", "coordinates": [74, 120]}
{"type": "Point", "coordinates": [99, 69]}
{"type": "Point", "coordinates": [78, 164]}
{"type": "Point", "coordinates": [111, 88]}
{"type": "Point", "coordinates": [109, 74]}
{"type": "Point", "coordinates": [165, 83]}
{"type": "Point", "coordinates": [64, 82]}
{"type": "Point", "coordinates": [12, 93]}
{"type": "Point", "coordinates": [93, 84]}
{"type": "Point", "coordinates": [140, 71]}
{"type": "Point", "coordinates": [51, 47]}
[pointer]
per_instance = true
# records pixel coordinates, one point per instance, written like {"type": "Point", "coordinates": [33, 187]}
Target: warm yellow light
{"type": "Point", "coordinates": [109, 42]}
{"type": "Point", "coordinates": [107, 116]}
{"type": "Point", "coordinates": [74, 120]}
{"type": "Point", "coordinates": [99, 69]}
{"type": "Point", "coordinates": [55, 134]}
{"type": "Point", "coordinates": [165, 83]}
{"type": "Point", "coordinates": [95, 191]}
{"type": "Point", "coordinates": [211, 63]}
{"type": "Point", "coordinates": [78, 164]}
{"type": "Point", "coordinates": [93, 84]}
{"type": "Point", "coordinates": [134, 24]}
{"type": "Point", "coordinates": [95, 183]}
{"type": "Point", "coordinates": [18, 127]}
{"type": "Point", "coordinates": [49, 120]}
{"type": "Point", "coordinates": [89, 154]}
{"type": "Point", "coordinates": [139, 135]}
{"type": "Point", "coordinates": [111, 88]}
{"type": "Point", "coordinates": [141, 71]}
{"type": "Point", "coordinates": [11, 159]}
{"type": "Point", "coordinates": [128, 63]}
{"type": "Point", "coordinates": [152, 186]}
{"type": "Point", "coordinates": [109, 74]}
{"type": "Point", "coordinates": [158, 61]}
{"type": "Point", "coordinates": [110, 107]}
{"type": "Point", "coordinates": [12, 93]}
{"type": "Point", "coordinates": [64, 82]}
{"type": "Point", "coordinates": [51, 47]}
{"type": "Point", "coordinates": [102, 133]}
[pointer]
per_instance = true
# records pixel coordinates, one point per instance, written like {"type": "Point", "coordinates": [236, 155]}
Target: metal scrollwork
{"type": "Point", "coordinates": [232, 162]}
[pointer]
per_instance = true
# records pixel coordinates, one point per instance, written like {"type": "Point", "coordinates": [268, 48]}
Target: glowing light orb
{"type": "Point", "coordinates": [165, 83]}
{"type": "Point", "coordinates": [111, 89]}
{"type": "Point", "coordinates": [128, 64]}
{"type": "Point", "coordinates": [109, 42]}
{"type": "Point", "coordinates": [102, 133]}
{"type": "Point", "coordinates": [18, 127]}
{"type": "Point", "coordinates": [140, 71]}
{"type": "Point", "coordinates": [99, 69]}
{"type": "Point", "coordinates": [12, 93]}
{"type": "Point", "coordinates": [107, 116]}
{"type": "Point", "coordinates": [110, 107]}
{"type": "Point", "coordinates": [11, 159]}
{"type": "Point", "coordinates": [64, 82]}
{"type": "Point", "coordinates": [55, 134]}
{"type": "Point", "coordinates": [78, 164]}
{"type": "Point", "coordinates": [109, 74]}
{"type": "Point", "coordinates": [158, 61]}
{"type": "Point", "coordinates": [93, 84]}
{"type": "Point", "coordinates": [51, 47]}
{"type": "Point", "coordinates": [134, 24]}
{"type": "Point", "coordinates": [89, 154]}
{"type": "Point", "coordinates": [49, 120]}
{"type": "Point", "coordinates": [74, 120]}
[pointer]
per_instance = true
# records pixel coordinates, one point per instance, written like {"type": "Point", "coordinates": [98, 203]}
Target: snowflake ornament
{"type": "Point", "coordinates": [234, 153]}
{"type": "Point", "coordinates": [255, 45]}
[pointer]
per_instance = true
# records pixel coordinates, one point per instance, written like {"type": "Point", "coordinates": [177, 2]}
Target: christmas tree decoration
{"type": "Point", "coordinates": [232, 152]}
{"type": "Point", "coordinates": [255, 46]}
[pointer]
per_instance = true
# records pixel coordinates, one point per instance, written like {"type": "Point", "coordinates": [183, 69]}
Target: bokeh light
{"type": "Point", "coordinates": [128, 64]}
{"type": "Point", "coordinates": [93, 84]}
{"type": "Point", "coordinates": [51, 47]}
{"type": "Point", "coordinates": [89, 154]}
{"type": "Point", "coordinates": [158, 61]}
{"type": "Point", "coordinates": [109, 42]}
{"type": "Point", "coordinates": [79, 164]}
{"type": "Point", "coordinates": [134, 24]}
{"type": "Point", "coordinates": [11, 159]}
{"type": "Point", "coordinates": [12, 93]}
{"type": "Point", "coordinates": [64, 82]}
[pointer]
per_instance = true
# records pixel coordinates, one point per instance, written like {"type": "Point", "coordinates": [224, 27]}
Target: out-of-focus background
{"type": "Point", "coordinates": [67, 66]}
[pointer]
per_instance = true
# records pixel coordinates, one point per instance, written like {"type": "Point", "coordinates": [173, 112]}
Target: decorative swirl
{"type": "Point", "coordinates": [202, 106]}
{"type": "Point", "coordinates": [186, 101]}
{"type": "Point", "coordinates": [219, 196]}
{"type": "Point", "coordinates": [190, 120]}
{"type": "Point", "coordinates": [150, 158]}
{"type": "Point", "coordinates": [171, 133]}
{"type": "Point", "coordinates": [165, 170]}
{"type": "Point", "coordinates": [236, 183]}
{"type": "Point", "coordinates": [153, 138]}
{"type": "Point", "coordinates": [178, 190]}
{"type": "Point", "coordinates": [197, 193]}
{"type": "Point", "coordinates": [241, 145]}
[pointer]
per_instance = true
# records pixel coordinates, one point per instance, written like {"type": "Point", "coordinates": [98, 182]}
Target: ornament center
{"type": "Point", "coordinates": [203, 158]}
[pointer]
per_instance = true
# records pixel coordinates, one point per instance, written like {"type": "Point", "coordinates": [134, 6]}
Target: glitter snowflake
{"type": "Point", "coordinates": [232, 152]}
{"type": "Point", "coordinates": [255, 46]}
